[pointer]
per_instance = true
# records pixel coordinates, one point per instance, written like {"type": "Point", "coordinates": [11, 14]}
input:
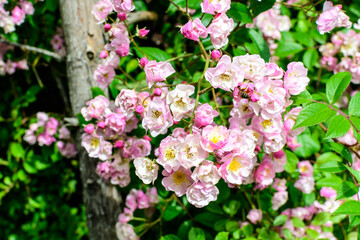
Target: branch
{"type": "Point", "coordinates": [32, 49]}
{"type": "Point", "coordinates": [141, 16]}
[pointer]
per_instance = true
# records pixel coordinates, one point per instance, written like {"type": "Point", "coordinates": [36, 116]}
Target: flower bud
{"type": "Point", "coordinates": [215, 54]}
{"type": "Point", "coordinates": [101, 124]}
{"type": "Point", "coordinates": [255, 97]}
{"type": "Point", "coordinates": [119, 144]}
{"type": "Point", "coordinates": [157, 91]}
{"type": "Point", "coordinates": [143, 32]}
{"type": "Point", "coordinates": [103, 54]}
{"type": "Point", "coordinates": [122, 16]}
{"type": "Point", "coordinates": [107, 27]}
{"type": "Point", "coordinates": [175, 122]}
{"type": "Point", "coordinates": [139, 109]}
{"type": "Point", "coordinates": [146, 137]}
{"type": "Point", "coordinates": [143, 61]}
{"type": "Point", "coordinates": [89, 128]}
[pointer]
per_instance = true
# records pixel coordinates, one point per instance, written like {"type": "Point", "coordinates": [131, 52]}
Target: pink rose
{"type": "Point", "coordinates": [194, 29]}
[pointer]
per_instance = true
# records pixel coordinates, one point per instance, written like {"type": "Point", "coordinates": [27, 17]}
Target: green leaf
{"type": "Point", "coordinates": [222, 236]}
{"type": "Point", "coordinates": [285, 49]}
{"type": "Point", "coordinates": [297, 222]}
{"type": "Point", "coordinates": [17, 150]}
{"type": "Point", "coordinates": [131, 65]}
{"type": "Point", "coordinates": [171, 212]}
{"type": "Point", "coordinates": [312, 233]}
{"type": "Point", "coordinates": [328, 156]}
{"type": "Point", "coordinates": [354, 172]}
{"type": "Point", "coordinates": [184, 229]}
{"type": "Point", "coordinates": [287, 233]}
{"type": "Point", "coordinates": [153, 53]}
{"type": "Point", "coordinates": [354, 221]}
{"type": "Point", "coordinates": [342, 150]}
{"type": "Point", "coordinates": [231, 226]}
{"type": "Point", "coordinates": [310, 57]}
{"type": "Point", "coordinates": [354, 105]}
{"type": "Point", "coordinates": [258, 7]}
{"type": "Point", "coordinates": [248, 230]}
{"type": "Point", "coordinates": [349, 208]}
{"type": "Point", "coordinates": [51, 5]}
{"type": "Point", "coordinates": [321, 219]}
{"type": "Point", "coordinates": [291, 162]}
{"type": "Point", "coordinates": [337, 85]}
{"type": "Point", "coordinates": [169, 237]}
{"type": "Point", "coordinates": [347, 189]}
{"type": "Point", "coordinates": [232, 207]}
{"type": "Point", "coordinates": [309, 145]}
{"type": "Point", "coordinates": [303, 97]}
{"type": "Point", "coordinates": [196, 234]}
{"type": "Point", "coordinates": [332, 166]}
{"type": "Point", "coordinates": [96, 91]}
{"type": "Point", "coordinates": [280, 220]}
{"type": "Point", "coordinates": [313, 114]}
{"type": "Point", "coordinates": [206, 218]}
{"type": "Point", "coordinates": [240, 13]}
{"type": "Point", "coordinates": [260, 44]}
{"type": "Point", "coordinates": [330, 181]}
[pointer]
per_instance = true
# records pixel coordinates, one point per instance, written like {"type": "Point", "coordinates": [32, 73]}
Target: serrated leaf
{"type": "Point", "coordinates": [354, 105]}
{"type": "Point", "coordinates": [153, 53]}
{"type": "Point", "coordinates": [332, 166]}
{"type": "Point", "coordinates": [342, 150]}
{"type": "Point", "coordinates": [347, 189]}
{"type": "Point", "coordinates": [349, 208]}
{"type": "Point", "coordinates": [260, 44]}
{"type": "Point", "coordinates": [313, 114]}
{"type": "Point", "coordinates": [285, 49]}
{"type": "Point", "coordinates": [337, 85]}
{"type": "Point", "coordinates": [354, 172]}
{"type": "Point", "coordinates": [280, 220]}
{"type": "Point", "coordinates": [338, 127]}
{"type": "Point", "coordinates": [330, 181]}
{"type": "Point", "coordinates": [312, 233]}
{"type": "Point", "coordinates": [303, 97]}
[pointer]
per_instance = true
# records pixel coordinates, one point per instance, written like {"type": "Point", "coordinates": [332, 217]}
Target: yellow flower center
{"type": "Point", "coordinates": [225, 77]}
{"type": "Point", "coordinates": [94, 142]}
{"type": "Point", "coordinates": [234, 165]}
{"type": "Point", "coordinates": [179, 177]}
{"type": "Point", "coordinates": [169, 154]}
{"type": "Point", "coordinates": [156, 114]}
{"type": "Point", "coordinates": [266, 123]}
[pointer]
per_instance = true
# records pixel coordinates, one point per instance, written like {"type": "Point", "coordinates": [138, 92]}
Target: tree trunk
{"type": "Point", "coordinates": [84, 41]}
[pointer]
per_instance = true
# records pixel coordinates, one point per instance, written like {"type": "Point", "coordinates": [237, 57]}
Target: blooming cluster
{"type": "Point", "coordinates": [46, 131]}
{"type": "Point", "coordinates": [118, 37]}
{"type": "Point", "coordinates": [57, 42]}
{"type": "Point", "coordinates": [346, 47]}
{"type": "Point", "coordinates": [16, 16]}
{"type": "Point", "coordinates": [136, 199]}
{"type": "Point", "coordinates": [220, 27]}
{"type": "Point", "coordinates": [332, 17]}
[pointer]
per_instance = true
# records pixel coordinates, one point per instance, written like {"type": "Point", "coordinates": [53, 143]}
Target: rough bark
{"type": "Point", "coordinates": [84, 41]}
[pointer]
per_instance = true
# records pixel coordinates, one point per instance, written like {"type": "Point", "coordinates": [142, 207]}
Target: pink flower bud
{"type": "Point", "coordinates": [139, 109]}
{"type": "Point", "coordinates": [254, 97]}
{"type": "Point", "coordinates": [107, 27]}
{"type": "Point", "coordinates": [122, 16]}
{"type": "Point", "coordinates": [279, 154]}
{"type": "Point", "coordinates": [143, 61]}
{"type": "Point", "coordinates": [157, 91]}
{"type": "Point", "coordinates": [103, 54]}
{"type": "Point", "coordinates": [257, 149]}
{"type": "Point", "coordinates": [215, 54]}
{"type": "Point", "coordinates": [119, 144]}
{"type": "Point", "coordinates": [101, 124]}
{"type": "Point", "coordinates": [89, 128]}
{"type": "Point", "coordinates": [146, 137]}
{"type": "Point", "coordinates": [183, 82]}
{"type": "Point", "coordinates": [143, 32]}
{"type": "Point", "coordinates": [175, 122]}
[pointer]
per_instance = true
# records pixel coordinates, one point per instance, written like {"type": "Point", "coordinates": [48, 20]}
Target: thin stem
{"type": "Point", "coordinates": [179, 57]}
{"type": "Point", "coordinates": [32, 49]}
{"type": "Point", "coordinates": [184, 208]}
{"type": "Point", "coordinates": [133, 41]}
{"type": "Point", "coordinates": [217, 106]}
{"type": "Point", "coordinates": [249, 200]}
